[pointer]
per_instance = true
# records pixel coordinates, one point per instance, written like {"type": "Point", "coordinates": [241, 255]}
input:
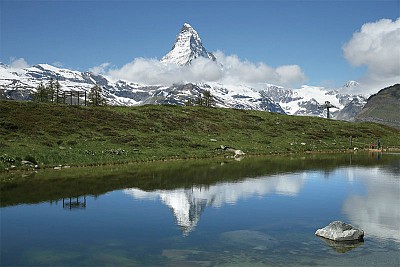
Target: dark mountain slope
{"type": "Point", "coordinates": [383, 107]}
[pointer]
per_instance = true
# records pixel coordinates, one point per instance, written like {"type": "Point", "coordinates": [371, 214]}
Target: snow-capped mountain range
{"type": "Point", "coordinates": [20, 83]}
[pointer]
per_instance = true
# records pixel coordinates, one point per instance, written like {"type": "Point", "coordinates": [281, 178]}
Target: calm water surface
{"type": "Point", "coordinates": [256, 212]}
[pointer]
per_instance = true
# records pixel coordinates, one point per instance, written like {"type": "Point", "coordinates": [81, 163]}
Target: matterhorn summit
{"type": "Point", "coordinates": [351, 84]}
{"type": "Point", "coordinates": [187, 47]}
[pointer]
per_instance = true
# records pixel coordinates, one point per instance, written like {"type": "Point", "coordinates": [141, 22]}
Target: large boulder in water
{"type": "Point", "coordinates": [340, 231]}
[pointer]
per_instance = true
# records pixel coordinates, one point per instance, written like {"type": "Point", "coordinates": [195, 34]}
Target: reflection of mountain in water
{"type": "Point", "coordinates": [188, 204]}
{"type": "Point", "coordinates": [187, 207]}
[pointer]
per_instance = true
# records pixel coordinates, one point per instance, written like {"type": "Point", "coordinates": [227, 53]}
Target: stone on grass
{"type": "Point", "coordinates": [340, 231]}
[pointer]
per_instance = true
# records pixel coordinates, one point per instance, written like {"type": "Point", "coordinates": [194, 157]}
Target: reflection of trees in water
{"type": "Point", "coordinates": [74, 203]}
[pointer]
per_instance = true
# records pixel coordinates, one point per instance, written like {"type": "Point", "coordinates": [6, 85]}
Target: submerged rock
{"type": "Point", "coordinates": [340, 231]}
{"type": "Point", "coordinates": [248, 238]}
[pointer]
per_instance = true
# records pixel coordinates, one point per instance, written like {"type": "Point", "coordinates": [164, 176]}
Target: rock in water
{"type": "Point", "coordinates": [340, 231]}
{"type": "Point", "coordinates": [248, 238]}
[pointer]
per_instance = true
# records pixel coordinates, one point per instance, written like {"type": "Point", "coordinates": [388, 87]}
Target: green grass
{"type": "Point", "coordinates": [54, 135]}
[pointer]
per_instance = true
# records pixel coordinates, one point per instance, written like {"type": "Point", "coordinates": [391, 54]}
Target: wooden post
{"type": "Point", "coordinates": [78, 98]}
{"type": "Point", "coordinates": [71, 97]}
{"type": "Point", "coordinates": [85, 99]}
{"type": "Point", "coordinates": [64, 97]}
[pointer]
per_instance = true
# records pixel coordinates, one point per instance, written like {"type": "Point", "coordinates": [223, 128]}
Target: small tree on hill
{"type": "Point", "coordinates": [95, 96]}
{"type": "Point", "coordinates": [46, 93]}
{"type": "Point", "coordinates": [50, 89]}
{"type": "Point", "coordinates": [206, 100]}
{"type": "Point", "coordinates": [57, 92]}
{"type": "Point", "coordinates": [41, 94]}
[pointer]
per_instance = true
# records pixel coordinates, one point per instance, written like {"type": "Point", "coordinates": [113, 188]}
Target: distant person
{"type": "Point", "coordinates": [372, 145]}
{"type": "Point", "coordinates": [379, 143]}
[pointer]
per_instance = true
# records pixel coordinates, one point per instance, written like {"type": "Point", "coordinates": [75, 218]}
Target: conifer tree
{"type": "Point", "coordinates": [50, 90]}
{"type": "Point", "coordinates": [40, 95]}
{"type": "Point", "coordinates": [206, 99]}
{"type": "Point", "coordinates": [95, 96]}
{"type": "Point", "coordinates": [57, 92]}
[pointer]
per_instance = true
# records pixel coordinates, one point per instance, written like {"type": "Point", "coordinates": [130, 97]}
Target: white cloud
{"type": "Point", "coordinates": [228, 70]}
{"type": "Point", "coordinates": [58, 64]}
{"type": "Point", "coordinates": [19, 63]}
{"type": "Point", "coordinates": [101, 69]}
{"type": "Point", "coordinates": [290, 74]}
{"type": "Point", "coordinates": [376, 46]}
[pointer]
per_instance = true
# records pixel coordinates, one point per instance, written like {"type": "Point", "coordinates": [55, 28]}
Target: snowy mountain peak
{"type": "Point", "coordinates": [187, 47]}
{"type": "Point", "coordinates": [187, 25]}
{"type": "Point", "coordinates": [350, 84]}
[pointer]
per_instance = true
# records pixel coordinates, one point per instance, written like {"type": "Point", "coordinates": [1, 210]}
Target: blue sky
{"type": "Point", "coordinates": [82, 34]}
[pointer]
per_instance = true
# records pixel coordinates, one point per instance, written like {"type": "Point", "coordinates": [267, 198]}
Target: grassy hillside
{"type": "Point", "coordinates": [52, 135]}
{"type": "Point", "coordinates": [383, 107]}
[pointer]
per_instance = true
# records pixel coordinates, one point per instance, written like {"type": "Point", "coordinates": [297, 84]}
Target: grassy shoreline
{"type": "Point", "coordinates": [50, 135]}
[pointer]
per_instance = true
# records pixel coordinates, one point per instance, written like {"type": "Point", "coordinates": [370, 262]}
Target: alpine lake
{"type": "Point", "coordinates": [259, 211]}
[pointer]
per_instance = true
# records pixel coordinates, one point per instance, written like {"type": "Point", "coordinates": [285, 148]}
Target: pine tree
{"type": "Point", "coordinates": [95, 96]}
{"type": "Point", "coordinates": [40, 95]}
{"type": "Point", "coordinates": [205, 100]}
{"type": "Point", "coordinates": [57, 91]}
{"type": "Point", "coordinates": [208, 98]}
{"type": "Point", "coordinates": [199, 101]}
{"type": "Point", "coordinates": [50, 90]}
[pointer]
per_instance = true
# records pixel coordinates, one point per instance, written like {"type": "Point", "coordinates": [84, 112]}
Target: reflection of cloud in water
{"type": "Point", "coordinates": [188, 203]}
{"type": "Point", "coordinates": [377, 212]}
